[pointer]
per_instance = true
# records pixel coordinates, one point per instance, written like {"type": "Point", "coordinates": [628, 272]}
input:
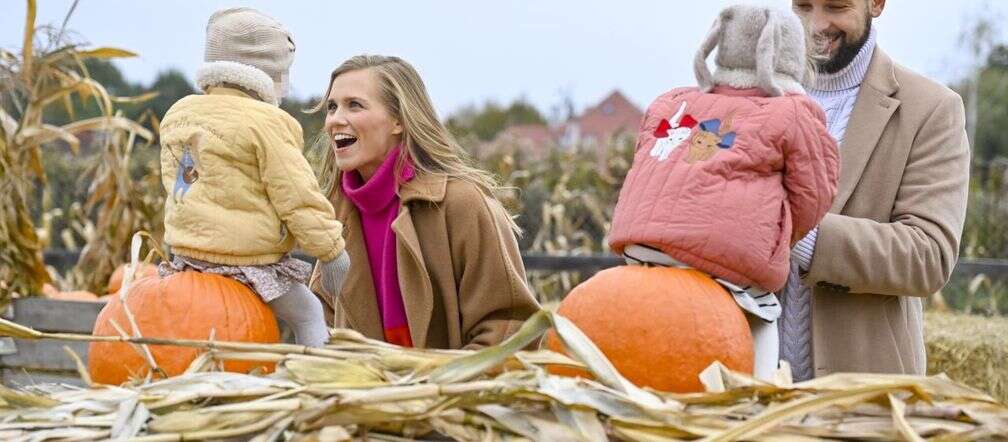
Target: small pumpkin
{"type": "Point", "coordinates": [143, 270]}
{"type": "Point", "coordinates": [74, 295]}
{"type": "Point", "coordinates": [48, 290]}
{"type": "Point", "coordinates": [659, 326]}
{"type": "Point", "coordinates": [184, 305]}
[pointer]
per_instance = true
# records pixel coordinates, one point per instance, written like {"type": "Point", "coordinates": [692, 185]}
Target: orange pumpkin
{"type": "Point", "coordinates": [75, 295]}
{"type": "Point", "coordinates": [185, 305]}
{"type": "Point", "coordinates": [144, 270]}
{"type": "Point", "coordinates": [49, 290]}
{"type": "Point", "coordinates": [660, 327]}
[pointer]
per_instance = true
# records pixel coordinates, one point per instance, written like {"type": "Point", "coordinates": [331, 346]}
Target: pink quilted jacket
{"type": "Point", "coordinates": [727, 181]}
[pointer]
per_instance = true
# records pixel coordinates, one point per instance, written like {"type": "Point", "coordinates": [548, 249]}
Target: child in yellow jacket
{"type": "Point", "coordinates": [240, 192]}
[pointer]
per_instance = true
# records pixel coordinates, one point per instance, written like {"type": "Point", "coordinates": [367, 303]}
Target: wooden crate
{"type": "Point", "coordinates": [27, 362]}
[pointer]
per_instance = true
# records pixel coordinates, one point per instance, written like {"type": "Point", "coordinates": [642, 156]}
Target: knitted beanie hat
{"type": "Point", "coordinates": [247, 48]}
{"type": "Point", "coordinates": [757, 46]}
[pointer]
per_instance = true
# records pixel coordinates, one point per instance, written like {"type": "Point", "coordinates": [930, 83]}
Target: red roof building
{"type": "Point", "coordinates": [614, 117]}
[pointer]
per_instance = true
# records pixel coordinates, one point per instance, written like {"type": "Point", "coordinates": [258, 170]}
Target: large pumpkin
{"type": "Point", "coordinates": [660, 327]}
{"type": "Point", "coordinates": [143, 270]}
{"type": "Point", "coordinates": [185, 305]}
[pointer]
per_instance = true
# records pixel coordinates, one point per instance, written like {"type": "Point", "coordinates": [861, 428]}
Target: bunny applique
{"type": "Point", "coordinates": [670, 138]}
{"type": "Point", "coordinates": [713, 135]}
{"type": "Point", "coordinates": [189, 165]}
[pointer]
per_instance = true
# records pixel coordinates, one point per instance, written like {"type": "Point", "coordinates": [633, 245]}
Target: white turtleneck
{"type": "Point", "coordinates": [836, 94]}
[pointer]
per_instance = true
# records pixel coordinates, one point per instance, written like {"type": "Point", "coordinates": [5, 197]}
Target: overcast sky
{"type": "Point", "coordinates": [472, 51]}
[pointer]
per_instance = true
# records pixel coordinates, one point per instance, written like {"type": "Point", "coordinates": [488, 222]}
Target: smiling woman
{"type": "Point", "coordinates": [359, 124]}
{"type": "Point", "coordinates": [443, 269]}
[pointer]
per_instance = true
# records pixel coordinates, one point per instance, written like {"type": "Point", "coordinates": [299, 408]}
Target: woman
{"type": "Point", "coordinates": [435, 260]}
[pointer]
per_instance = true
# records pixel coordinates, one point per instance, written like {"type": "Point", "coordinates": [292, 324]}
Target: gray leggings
{"type": "Point", "coordinates": [302, 311]}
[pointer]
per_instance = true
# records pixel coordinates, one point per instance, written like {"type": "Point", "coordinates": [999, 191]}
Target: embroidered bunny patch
{"type": "Point", "coordinates": [670, 138]}
{"type": "Point", "coordinates": [711, 137]}
{"type": "Point", "coordinates": [188, 167]}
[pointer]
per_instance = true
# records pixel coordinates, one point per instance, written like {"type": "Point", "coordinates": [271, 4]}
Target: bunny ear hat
{"type": "Point", "coordinates": [757, 47]}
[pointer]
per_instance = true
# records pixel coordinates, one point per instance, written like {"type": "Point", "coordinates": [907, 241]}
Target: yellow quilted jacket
{"type": "Point", "coordinates": [240, 192]}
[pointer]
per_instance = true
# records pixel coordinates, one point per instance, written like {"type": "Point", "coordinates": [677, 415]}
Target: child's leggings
{"type": "Point", "coordinates": [302, 311]}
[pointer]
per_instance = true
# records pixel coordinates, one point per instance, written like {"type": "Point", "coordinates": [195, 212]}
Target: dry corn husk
{"type": "Point", "coordinates": [357, 387]}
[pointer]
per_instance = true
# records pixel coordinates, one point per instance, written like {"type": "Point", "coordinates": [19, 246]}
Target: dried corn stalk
{"type": "Point", "coordinates": [565, 200]}
{"type": "Point", "coordinates": [356, 387]}
{"type": "Point", "coordinates": [42, 75]}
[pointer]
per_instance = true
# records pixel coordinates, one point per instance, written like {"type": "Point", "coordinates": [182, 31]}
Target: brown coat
{"type": "Point", "coordinates": [892, 235]}
{"type": "Point", "coordinates": [460, 273]}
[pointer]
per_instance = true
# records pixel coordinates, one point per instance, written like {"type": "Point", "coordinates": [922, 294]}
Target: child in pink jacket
{"type": "Point", "coordinates": [727, 176]}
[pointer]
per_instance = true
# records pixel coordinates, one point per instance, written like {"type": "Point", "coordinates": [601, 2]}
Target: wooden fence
{"type": "Point", "coordinates": [993, 268]}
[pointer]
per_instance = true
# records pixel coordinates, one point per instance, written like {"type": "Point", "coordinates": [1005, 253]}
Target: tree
{"type": "Point", "coordinates": [979, 39]}
{"type": "Point", "coordinates": [998, 57]}
{"type": "Point", "coordinates": [171, 86]}
{"type": "Point", "coordinates": [990, 140]}
{"type": "Point", "coordinates": [311, 122]}
{"type": "Point", "coordinates": [486, 122]}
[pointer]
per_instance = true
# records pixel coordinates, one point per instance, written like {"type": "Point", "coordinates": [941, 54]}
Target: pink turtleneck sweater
{"type": "Point", "coordinates": [377, 201]}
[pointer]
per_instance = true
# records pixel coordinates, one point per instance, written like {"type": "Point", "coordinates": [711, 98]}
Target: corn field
{"type": "Point", "coordinates": [48, 72]}
{"type": "Point", "coordinates": [564, 201]}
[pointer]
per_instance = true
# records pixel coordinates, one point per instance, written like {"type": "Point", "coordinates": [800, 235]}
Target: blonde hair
{"type": "Point", "coordinates": [426, 141]}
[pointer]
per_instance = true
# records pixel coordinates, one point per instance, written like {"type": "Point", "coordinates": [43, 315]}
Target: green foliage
{"type": "Point", "coordinates": [979, 294]}
{"type": "Point", "coordinates": [986, 230]}
{"type": "Point", "coordinates": [998, 57]}
{"type": "Point", "coordinates": [171, 86]}
{"type": "Point", "coordinates": [991, 141]}
{"type": "Point", "coordinates": [311, 122]}
{"type": "Point", "coordinates": [484, 123]}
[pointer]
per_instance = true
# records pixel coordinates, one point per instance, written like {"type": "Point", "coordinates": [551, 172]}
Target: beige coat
{"type": "Point", "coordinates": [892, 235]}
{"type": "Point", "coordinates": [460, 272]}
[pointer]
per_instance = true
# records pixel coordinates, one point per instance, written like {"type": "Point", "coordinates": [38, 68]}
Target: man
{"type": "Point", "coordinates": [892, 235]}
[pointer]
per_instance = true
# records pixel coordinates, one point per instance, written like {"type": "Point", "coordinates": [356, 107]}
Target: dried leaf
{"type": "Point", "coordinates": [106, 53]}
{"type": "Point", "coordinates": [136, 100]}
{"type": "Point", "coordinates": [470, 366]}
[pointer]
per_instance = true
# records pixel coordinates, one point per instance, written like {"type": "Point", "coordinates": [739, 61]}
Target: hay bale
{"type": "Point", "coordinates": [970, 349]}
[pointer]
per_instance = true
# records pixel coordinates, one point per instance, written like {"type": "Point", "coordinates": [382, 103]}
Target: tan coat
{"type": "Point", "coordinates": [892, 235]}
{"type": "Point", "coordinates": [460, 272]}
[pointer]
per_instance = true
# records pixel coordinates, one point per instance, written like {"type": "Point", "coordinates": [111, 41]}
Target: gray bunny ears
{"type": "Point", "coordinates": [757, 46]}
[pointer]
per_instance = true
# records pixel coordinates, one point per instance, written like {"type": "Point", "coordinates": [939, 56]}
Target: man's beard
{"type": "Point", "coordinates": [845, 53]}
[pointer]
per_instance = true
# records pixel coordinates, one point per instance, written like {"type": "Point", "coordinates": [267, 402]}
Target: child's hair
{"type": "Point", "coordinates": [427, 142]}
